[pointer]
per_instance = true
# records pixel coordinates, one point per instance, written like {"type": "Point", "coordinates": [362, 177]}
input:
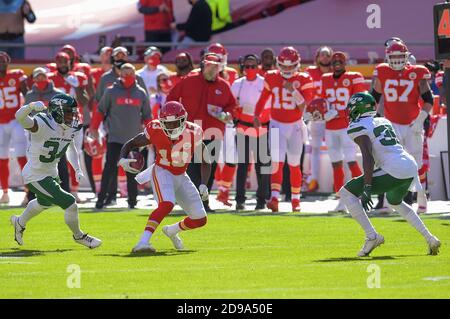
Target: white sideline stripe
{"type": "Point", "coordinates": [16, 262]}
{"type": "Point", "coordinates": [39, 188]}
{"type": "Point", "coordinates": [437, 278]}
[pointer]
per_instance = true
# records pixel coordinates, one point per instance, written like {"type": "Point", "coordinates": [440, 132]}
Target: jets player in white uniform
{"type": "Point", "coordinates": [394, 174]}
{"type": "Point", "coordinates": [52, 133]}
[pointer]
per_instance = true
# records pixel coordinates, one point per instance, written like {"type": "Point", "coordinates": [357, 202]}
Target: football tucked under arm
{"type": "Point", "coordinates": [136, 142]}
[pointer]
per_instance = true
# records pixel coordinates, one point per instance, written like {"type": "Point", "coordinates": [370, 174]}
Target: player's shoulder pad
{"type": "Point", "coordinates": [357, 128]}
{"type": "Point", "coordinates": [423, 72]}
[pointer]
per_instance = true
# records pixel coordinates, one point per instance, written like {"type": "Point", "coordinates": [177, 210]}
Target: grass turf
{"type": "Point", "coordinates": [248, 255]}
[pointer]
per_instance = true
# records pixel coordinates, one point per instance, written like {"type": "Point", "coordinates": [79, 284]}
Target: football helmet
{"type": "Point", "coordinates": [172, 117]}
{"type": "Point", "coordinates": [93, 147]}
{"type": "Point", "coordinates": [69, 48]}
{"type": "Point", "coordinates": [361, 105]}
{"type": "Point", "coordinates": [288, 62]}
{"type": "Point", "coordinates": [220, 50]}
{"type": "Point", "coordinates": [397, 55]}
{"type": "Point", "coordinates": [4, 56]}
{"type": "Point", "coordinates": [317, 107]}
{"type": "Point", "coordinates": [64, 110]}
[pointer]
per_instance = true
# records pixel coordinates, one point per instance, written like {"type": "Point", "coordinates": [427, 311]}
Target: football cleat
{"type": "Point", "coordinates": [313, 185]}
{"type": "Point", "coordinates": [273, 204]}
{"type": "Point", "coordinates": [223, 197]}
{"type": "Point", "coordinates": [295, 205]}
{"type": "Point", "coordinates": [370, 245]}
{"type": "Point", "coordinates": [176, 240]}
{"type": "Point", "coordinates": [143, 248]}
{"type": "Point", "coordinates": [88, 241]}
{"type": "Point", "coordinates": [18, 229]}
{"type": "Point", "coordinates": [433, 246]}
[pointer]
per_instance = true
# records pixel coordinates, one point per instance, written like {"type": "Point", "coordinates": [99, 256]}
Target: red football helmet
{"type": "Point", "coordinates": [288, 62]}
{"type": "Point", "coordinates": [317, 107]}
{"type": "Point", "coordinates": [94, 147]}
{"type": "Point", "coordinates": [69, 48]}
{"type": "Point", "coordinates": [220, 50]}
{"type": "Point", "coordinates": [4, 57]}
{"type": "Point", "coordinates": [397, 55]}
{"type": "Point", "coordinates": [172, 117]}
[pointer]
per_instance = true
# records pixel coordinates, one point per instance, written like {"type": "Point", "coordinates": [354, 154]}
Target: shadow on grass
{"type": "Point", "coordinates": [346, 259]}
{"type": "Point", "coordinates": [157, 254]}
{"type": "Point", "coordinates": [17, 252]}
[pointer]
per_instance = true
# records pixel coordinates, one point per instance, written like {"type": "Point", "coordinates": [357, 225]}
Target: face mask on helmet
{"type": "Point", "coordinates": [287, 71]}
{"type": "Point", "coordinates": [63, 109]}
{"type": "Point", "coordinates": [173, 127]}
{"type": "Point", "coordinates": [397, 61]}
{"type": "Point", "coordinates": [361, 105]}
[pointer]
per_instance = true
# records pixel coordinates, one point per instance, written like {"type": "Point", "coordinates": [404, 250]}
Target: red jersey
{"type": "Point", "coordinates": [337, 92]}
{"type": "Point", "coordinates": [316, 75]}
{"type": "Point", "coordinates": [230, 75]}
{"type": "Point", "coordinates": [439, 79]}
{"type": "Point", "coordinates": [96, 74]}
{"type": "Point", "coordinates": [284, 109]}
{"type": "Point", "coordinates": [174, 155]}
{"type": "Point", "coordinates": [401, 91]}
{"type": "Point", "coordinates": [78, 67]}
{"type": "Point", "coordinates": [158, 21]}
{"type": "Point", "coordinates": [10, 94]}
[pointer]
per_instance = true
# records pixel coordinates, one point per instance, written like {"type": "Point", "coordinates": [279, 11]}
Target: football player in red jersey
{"type": "Point", "coordinates": [73, 83]}
{"type": "Point", "coordinates": [176, 142]}
{"type": "Point", "coordinates": [12, 84]}
{"type": "Point", "coordinates": [402, 84]}
{"type": "Point", "coordinates": [290, 91]}
{"type": "Point", "coordinates": [337, 87]}
{"type": "Point", "coordinates": [317, 126]}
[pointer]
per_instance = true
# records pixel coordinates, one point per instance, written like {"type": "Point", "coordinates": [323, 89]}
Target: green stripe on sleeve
{"type": "Point", "coordinates": [355, 129]}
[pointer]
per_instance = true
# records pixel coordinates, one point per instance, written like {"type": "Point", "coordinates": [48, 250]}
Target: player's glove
{"type": "Point", "coordinates": [417, 125]}
{"type": "Point", "coordinates": [125, 163]}
{"type": "Point", "coordinates": [72, 80]}
{"type": "Point", "coordinates": [331, 114]}
{"type": "Point", "coordinates": [307, 116]}
{"type": "Point", "coordinates": [366, 199]}
{"type": "Point", "coordinates": [203, 190]}
{"type": "Point", "coordinates": [79, 175]}
{"type": "Point", "coordinates": [37, 106]}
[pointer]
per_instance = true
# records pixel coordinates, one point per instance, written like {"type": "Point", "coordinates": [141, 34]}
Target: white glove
{"type": "Point", "coordinates": [203, 190]}
{"type": "Point", "coordinates": [79, 175]}
{"type": "Point", "coordinates": [307, 116]}
{"type": "Point", "coordinates": [37, 106]}
{"type": "Point", "coordinates": [417, 125]}
{"type": "Point", "coordinates": [125, 163]}
{"type": "Point", "coordinates": [331, 114]}
{"type": "Point", "coordinates": [72, 80]}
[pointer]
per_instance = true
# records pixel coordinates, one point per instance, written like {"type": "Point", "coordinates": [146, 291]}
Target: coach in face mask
{"type": "Point", "coordinates": [209, 102]}
{"type": "Point", "coordinates": [119, 57]}
{"type": "Point", "coordinates": [127, 107]}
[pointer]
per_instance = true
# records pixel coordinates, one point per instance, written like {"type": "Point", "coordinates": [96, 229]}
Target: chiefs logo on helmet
{"type": "Point", "coordinates": [318, 108]}
{"type": "Point", "coordinates": [93, 147]}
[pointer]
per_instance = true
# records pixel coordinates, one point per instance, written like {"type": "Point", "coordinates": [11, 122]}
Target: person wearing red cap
{"type": "Point", "coordinates": [208, 101]}
{"type": "Point", "coordinates": [12, 84]}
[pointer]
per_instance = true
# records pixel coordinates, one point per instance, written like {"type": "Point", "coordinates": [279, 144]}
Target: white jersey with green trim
{"type": "Point", "coordinates": [388, 153]}
{"type": "Point", "coordinates": [46, 146]}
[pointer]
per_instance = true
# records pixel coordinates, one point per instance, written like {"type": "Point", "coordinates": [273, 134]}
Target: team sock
{"type": "Point", "coordinates": [412, 218]}
{"type": "Point", "coordinates": [4, 176]}
{"type": "Point", "coordinates": [186, 224]}
{"type": "Point", "coordinates": [155, 218]}
{"type": "Point", "coordinates": [32, 210]}
{"type": "Point", "coordinates": [296, 181]}
{"type": "Point", "coordinates": [227, 175]}
{"type": "Point", "coordinates": [338, 177]}
{"type": "Point", "coordinates": [276, 179]}
{"type": "Point", "coordinates": [356, 210]}
{"type": "Point", "coordinates": [71, 219]}
{"type": "Point", "coordinates": [354, 169]}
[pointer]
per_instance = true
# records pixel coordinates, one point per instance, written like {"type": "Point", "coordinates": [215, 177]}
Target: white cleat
{"type": "Point", "coordinates": [143, 248]}
{"type": "Point", "coordinates": [340, 208]}
{"type": "Point", "coordinates": [433, 246]}
{"type": "Point", "coordinates": [88, 241]}
{"type": "Point", "coordinates": [176, 240]}
{"type": "Point", "coordinates": [18, 229]}
{"type": "Point", "coordinates": [4, 199]}
{"type": "Point", "coordinates": [370, 245]}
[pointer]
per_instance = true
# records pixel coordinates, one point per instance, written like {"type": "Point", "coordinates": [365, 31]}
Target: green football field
{"type": "Point", "coordinates": [248, 255]}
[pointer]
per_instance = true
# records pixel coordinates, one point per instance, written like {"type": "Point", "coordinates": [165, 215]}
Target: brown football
{"type": "Point", "coordinates": [139, 164]}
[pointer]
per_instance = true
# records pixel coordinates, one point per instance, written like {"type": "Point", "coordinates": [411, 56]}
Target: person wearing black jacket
{"type": "Point", "coordinates": [197, 28]}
